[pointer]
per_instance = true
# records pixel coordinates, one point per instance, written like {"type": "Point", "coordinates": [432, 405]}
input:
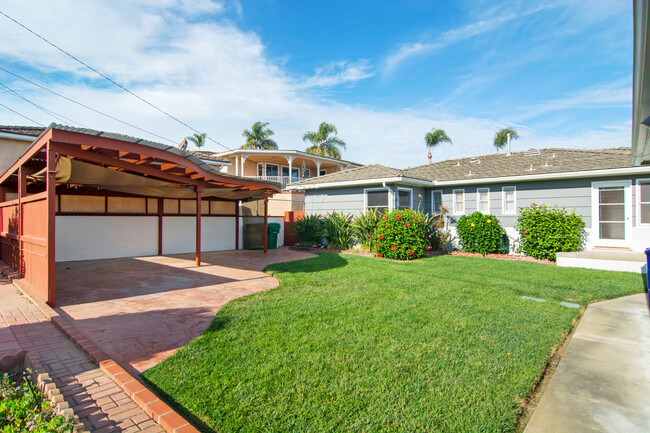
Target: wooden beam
{"type": "Point", "coordinates": [160, 226]}
{"type": "Point", "coordinates": [237, 225]}
{"type": "Point", "coordinates": [167, 166]}
{"type": "Point", "coordinates": [266, 224]}
{"type": "Point", "coordinates": [51, 224]}
{"type": "Point", "coordinates": [198, 226]}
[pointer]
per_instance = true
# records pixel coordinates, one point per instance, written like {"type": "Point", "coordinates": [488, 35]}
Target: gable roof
{"type": "Point", "coordinates": [533, 162]}
{"type": "Point", "coordinates": [32, 131]}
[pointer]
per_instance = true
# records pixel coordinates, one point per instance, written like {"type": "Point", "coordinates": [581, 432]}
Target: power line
{"type": "Point", "coordinates": [60, 117]}
{"type": "Point", "coordinates": [21, 115]}
{"type": "Point", "coordinates": [86, 106]}
{"type": "Point", "coordinates": [108, 79]}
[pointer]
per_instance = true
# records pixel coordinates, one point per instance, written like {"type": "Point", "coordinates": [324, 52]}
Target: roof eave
{"type": "Point", "coordinates": [641, 86]}
{"type": "Point", "coordinates": [398, 179]}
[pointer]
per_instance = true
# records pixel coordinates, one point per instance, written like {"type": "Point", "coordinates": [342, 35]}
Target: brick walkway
{"type": "Point", "coordinates": [95, 398]}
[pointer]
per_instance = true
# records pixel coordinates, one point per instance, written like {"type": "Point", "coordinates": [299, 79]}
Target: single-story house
{"type": "Point", "coordinates": [602, 185]}
{"type": "Point", "coordinates": [78, 194]}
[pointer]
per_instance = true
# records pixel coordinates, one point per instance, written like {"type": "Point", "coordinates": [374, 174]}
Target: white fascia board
{"type": "Point", "coordinates": [17, 136]}
{"type": "Point", "coordinates": [549, 176]}
{"type": "Point", "coordinates": [217, 163]}
{"type": "Point", "coordinates": [376, 181]}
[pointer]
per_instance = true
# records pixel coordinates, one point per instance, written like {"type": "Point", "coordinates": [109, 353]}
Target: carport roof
{"type": "Point", "coordinates": [126, 154]}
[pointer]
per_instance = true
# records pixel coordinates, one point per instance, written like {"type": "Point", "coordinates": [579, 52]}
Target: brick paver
{"type": "Point", "coordinates": [99, 403]}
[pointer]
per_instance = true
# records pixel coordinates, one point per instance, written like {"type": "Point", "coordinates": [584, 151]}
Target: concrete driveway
{"type": "Point", "coordinates": [141, 310]}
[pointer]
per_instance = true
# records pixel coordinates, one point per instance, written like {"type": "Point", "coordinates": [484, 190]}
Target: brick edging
{"type": "Point", "coordinates": [158, 410]}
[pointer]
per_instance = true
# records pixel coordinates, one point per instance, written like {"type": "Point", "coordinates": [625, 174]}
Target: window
{"type": "Point", "coordinates": [322, 172]}
{"type": "Point", "coordinates": [436, 202]}
{"type": "Point", "coordinates": [306, 173]}
{"type": "Point", "coordinates": [272, 170]}
{"type": "Point", "coordinates": [459, 201]}
{"type": "Point", "coordinates": [260, 170]}
{"type": "Point", "coordinates": [404, 198]}
{"type": "Point", "coordinates": [376, 199]}
{"type": "Point", "coordinates": [483, 200]}
{"type": "Point", "coordinates": [509, 199]}
{"type": "Point", "coordinates": [643, 200]}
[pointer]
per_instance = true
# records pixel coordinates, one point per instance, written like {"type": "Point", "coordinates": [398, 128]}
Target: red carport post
{"type": "Point", "coordinates": [237, 225]}
{"type": "Point", "coordinates": [266, 224]}
{"type": "Point", "coordinates": [198, 225]}
{"type": "Point", "coordinates": [160, 226]}
{"type": "Point", "coordinates": [51, 219]}
{"type": "Point", "coordinates": [22, 193]}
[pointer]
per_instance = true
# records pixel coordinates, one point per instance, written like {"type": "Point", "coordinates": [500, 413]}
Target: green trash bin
{"type": "Point", "coordinates": [272, 235]}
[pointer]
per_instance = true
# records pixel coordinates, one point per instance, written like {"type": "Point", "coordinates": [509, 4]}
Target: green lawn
{"type": "Point", "coordinates": [350, 343]}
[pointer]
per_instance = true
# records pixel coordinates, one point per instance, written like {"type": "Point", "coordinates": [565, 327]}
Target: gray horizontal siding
{"type": "Point", "coordinates": [325, 201]}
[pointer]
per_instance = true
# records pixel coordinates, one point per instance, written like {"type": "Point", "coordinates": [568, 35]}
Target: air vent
{"type": "Point", "coordinates": [532, 152]}
{"type": "Point", "coordinates": [475, 159]}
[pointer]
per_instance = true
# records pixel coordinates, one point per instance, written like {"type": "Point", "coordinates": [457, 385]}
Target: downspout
{"type": "Point", "coordinates": [389, 195]}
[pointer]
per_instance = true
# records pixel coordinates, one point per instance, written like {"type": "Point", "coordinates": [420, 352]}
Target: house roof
{"type": "Point", "coordinates": [287, 152]}
{"type": "Point", "coordinates": [536, 162]}
{"type": "Point", "coordinates": [33, 131]}
{"type": "Point", "coordinates": [531, 162]}
{"type": "Point", "coordinates": [207, 155]}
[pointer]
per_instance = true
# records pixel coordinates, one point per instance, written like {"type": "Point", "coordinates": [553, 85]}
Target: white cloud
{"type": "Point", "coordinates": [219, 79]}
{"type": "Point", "coordinates": [336, 73]}
{"type": "Point", "coordinates": [408, 51]}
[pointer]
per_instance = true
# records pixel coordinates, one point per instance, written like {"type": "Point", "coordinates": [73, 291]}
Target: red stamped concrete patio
{"type": "Point", "coordinates": [141, 310]}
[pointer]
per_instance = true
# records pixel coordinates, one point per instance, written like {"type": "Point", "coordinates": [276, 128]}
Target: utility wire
{"type": "Point", "coordinates": [60, 117]}
{"type": "Point", "coordinates": [21, 115]}
{"type": "Point", "coordinates": [86, 106]}
{"type": "Point", "coordinates": [108, 79]}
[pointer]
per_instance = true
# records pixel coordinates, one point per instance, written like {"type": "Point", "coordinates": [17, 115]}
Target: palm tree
{"type": "Point", "coordinates": [258, 137]}
{"type": "Point", "coordinates": [501, 137]}
{"type": "Point", "coordinates": [322, 144]}
{"type": "Point", "coordinates": [197, 139]}
{"type": "Point", "coordinates": [434, 138]}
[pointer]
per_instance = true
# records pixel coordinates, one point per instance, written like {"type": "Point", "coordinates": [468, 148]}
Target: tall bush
{"type": "Point", "coordinates": [481, 233]}
{"type": "Point", "coordinates": [400, 235]}
{"type": "Point", "coordinates": [545, 231]}
{"type": "Point", "coordinates": [363, 228]}
{"type": "Point", "coordinates": [337, 229]}
{"type": "Point", "coordinates": [309, 229]}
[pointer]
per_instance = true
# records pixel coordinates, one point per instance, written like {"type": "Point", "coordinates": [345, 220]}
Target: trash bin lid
{"type": "Point", "coordinates": [274, 228]}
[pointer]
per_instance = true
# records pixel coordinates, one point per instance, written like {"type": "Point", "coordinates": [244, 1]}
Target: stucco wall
{"type": "Point", "coordinates": [10, 151]}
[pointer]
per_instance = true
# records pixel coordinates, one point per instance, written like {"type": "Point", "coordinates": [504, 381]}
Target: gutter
{"type": "Point", "coordinates": [19, 137]}
{"type": "Point", "coordinates": [382, 181]}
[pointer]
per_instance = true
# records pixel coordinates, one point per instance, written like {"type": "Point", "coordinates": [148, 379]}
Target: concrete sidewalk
{"type": "Point", "coordinates": [602, 383]}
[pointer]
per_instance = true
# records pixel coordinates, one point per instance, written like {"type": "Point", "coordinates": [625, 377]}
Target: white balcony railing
{"type": "Point", "coordinates": [284, 180]}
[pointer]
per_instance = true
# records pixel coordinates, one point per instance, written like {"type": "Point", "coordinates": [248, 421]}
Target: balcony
{"type": "Point", "coordinates": [284, 180]}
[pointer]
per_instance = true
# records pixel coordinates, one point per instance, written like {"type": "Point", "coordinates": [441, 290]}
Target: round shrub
{"type": "Point", "coordinates": [401, 235]}
{"type": "Point", "coordinates": [481, 233]}
{"type": "Point", "coordinates": [545, 231]}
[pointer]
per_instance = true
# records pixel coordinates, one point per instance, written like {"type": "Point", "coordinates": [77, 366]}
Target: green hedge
{"type": "Point", "coordinates": [481, 233]}
{"type": "Point", "coordinates": [545, 231]}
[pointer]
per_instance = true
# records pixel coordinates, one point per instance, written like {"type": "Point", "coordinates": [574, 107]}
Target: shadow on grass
{"type": "Point", "coordinates": [324, 262]}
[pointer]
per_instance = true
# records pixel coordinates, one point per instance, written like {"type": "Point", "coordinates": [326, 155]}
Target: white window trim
{"type": "Point", "coordinates": [478, 199]}
{"type": "Point", "coordinates": [595, 215]}
{"type": "Point", "coordinates": [405, 189]}
{"type": "Point", "coordinates": [503, 200]}
{"type": "Point", "coordinates": [266, 168]}
{"type": "Point", "coordinates": [258, 169]}
{"type": "Point", "coordinates": [453, 205]}
{"type": "Point", "coordinates": [638, 202]}
{"type": "Point", "coordinates": [365, 197]}
{"type": "Point", "coordinates": [306, 173]}
{"type": "Point", "coordinates": [433, 201]}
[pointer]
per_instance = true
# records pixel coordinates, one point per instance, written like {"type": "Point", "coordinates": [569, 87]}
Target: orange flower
{"type": "Point", "coordinates": [384, 216]}
{"type": "Point", "coordinates": [394, 247]}
{"type": "Point", "coordinates": [435, 214]}
{"type": "Point", "coordinates": [381, 236]}
{"type": "Point", "coordinates": [411, 253]}
{"type": "Point", "coordinates": [406, 225]}
{"type": "Point", "coordinates": [377, 243]}
{"type": "Point", "coordinates": [397, 216]}
{"type": "Point", "coordinates": [379, 255]}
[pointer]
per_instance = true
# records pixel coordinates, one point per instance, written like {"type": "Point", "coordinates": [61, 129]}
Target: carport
{"type": "Point", "coordinates": [107, 192]}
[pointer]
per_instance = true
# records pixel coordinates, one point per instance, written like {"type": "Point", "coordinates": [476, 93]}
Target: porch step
{"type": "Point", "coordinates": [605, 259]}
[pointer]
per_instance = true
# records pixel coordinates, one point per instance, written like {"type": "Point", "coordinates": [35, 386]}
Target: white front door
{"type": "Point", "coordinates": [611, 210]}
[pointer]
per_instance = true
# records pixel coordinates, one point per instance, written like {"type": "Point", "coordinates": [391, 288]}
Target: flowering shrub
{"type": "Point", "coordinates": [480, 233]}
{"type": "Point", "coordinates": [401, 235]}
{"type": "Point", "coordinates": [545, 231]}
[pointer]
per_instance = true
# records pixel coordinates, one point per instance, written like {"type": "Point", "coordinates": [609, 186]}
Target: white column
{"type": "Point", "coordinates": [317, 168]}
{"type": "Point", "coordinates": [236, 165]}
{"type": "Point", "coordinates": [243, 159]}
{"type": "Point", "coordinates": [290, 161]}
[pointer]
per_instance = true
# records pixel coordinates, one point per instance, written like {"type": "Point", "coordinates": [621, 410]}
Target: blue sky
{"type": "Point", "coordinates": [383, 72]}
